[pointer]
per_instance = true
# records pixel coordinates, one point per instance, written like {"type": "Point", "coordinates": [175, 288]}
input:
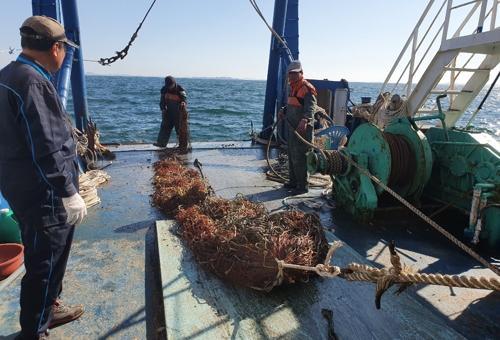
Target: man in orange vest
{"type": "Point", "coordinates": [300, 110]}
{"type": "Point", "coordinates": [172, 103]}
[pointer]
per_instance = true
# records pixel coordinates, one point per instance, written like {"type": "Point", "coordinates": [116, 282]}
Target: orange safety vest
{"type": "Point", "coordinates": [297, 94]}
{"type": "Point", "coordinates": [172, 97]}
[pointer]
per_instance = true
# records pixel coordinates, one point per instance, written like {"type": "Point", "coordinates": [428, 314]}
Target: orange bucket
{"type": "Point", "coordinates": [11, 258]}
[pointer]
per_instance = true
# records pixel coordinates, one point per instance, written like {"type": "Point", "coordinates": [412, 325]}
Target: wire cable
{"type": "Point", "coordinates": [281, 40]}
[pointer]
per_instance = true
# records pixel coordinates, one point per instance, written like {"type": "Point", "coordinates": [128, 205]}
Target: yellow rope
{"type": "Point", "coordinates": [362, 272]}
{"type": "Point", "coordinates": [386, 277]}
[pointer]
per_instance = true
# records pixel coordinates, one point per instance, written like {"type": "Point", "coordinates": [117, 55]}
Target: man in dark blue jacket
{"type": "Point", "coordinates": [39, 174]}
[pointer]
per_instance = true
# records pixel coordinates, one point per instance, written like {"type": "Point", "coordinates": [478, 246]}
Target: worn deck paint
{"type": "Point", "coordinates": [109, 269]}
{"type": "Point", "coordinates": [113, 268]}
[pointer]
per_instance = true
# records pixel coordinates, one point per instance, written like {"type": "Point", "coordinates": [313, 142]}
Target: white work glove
{"type": "Point", "coordinates": [76, 209]}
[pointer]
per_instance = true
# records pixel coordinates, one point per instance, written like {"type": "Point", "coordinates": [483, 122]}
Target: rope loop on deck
{"type": "Point", "coordinates": [320, 269]}
{"type": "Point", "coordinates": [384, 278]}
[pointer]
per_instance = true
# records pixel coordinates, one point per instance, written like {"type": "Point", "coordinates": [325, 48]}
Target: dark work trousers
{"type": "Point", "coordinates": [47, 241]}
{"type": "Point", "coordinates": [297, 160]}
{"type": "Point", "coordinates": [170, 119]}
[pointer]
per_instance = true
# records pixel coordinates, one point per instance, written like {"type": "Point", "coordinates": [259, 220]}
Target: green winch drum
{"type": "Point", "coordinates": [399, 156]}
{"type": "Point", "coordinates": [368, 139]}
{"type": "Point", "coordinates": [421, 154]}
{"type": "Point", "coordinates": [9, 229]}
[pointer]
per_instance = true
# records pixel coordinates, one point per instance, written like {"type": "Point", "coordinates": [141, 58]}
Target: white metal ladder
{"type": "Point", "coordinates": [471, 56]}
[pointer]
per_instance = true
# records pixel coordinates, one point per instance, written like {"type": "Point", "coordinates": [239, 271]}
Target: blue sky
{"type": "Point", "coordinates": [357, 40]}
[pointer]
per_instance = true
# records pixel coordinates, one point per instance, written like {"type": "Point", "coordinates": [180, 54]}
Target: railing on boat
{"type": "Point", "coordinates": [441, 13]}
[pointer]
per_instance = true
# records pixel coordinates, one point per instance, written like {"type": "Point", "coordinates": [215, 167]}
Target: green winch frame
{"type": "Point", "coordinates": [457, 168]}
{"type": "Point", "coordinates": [370, 148]}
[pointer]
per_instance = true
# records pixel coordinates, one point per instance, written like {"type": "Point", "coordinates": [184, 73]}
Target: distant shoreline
{"type": "Point", "coordinates": [240, 79]}
{"type": "Point", "coordinates": [207, 78]}
{"type": "Point", "coordinates": [135, 76]}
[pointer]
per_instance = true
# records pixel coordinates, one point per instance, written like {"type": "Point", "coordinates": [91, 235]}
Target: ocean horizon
{"type": "Point", "coordinates": [126, 108]}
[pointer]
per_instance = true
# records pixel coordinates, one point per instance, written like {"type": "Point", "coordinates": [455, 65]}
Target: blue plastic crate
{"type": "Point", "coordinates": [335, 134]}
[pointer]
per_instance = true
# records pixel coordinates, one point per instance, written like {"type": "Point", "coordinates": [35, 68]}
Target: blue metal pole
{"type": "Point", "coordinates": [52, 8]}
{"type": "Point", "coordinates": [292, 27]}
{"type": "Point", "coordinates": [280, 8]}
{"type": "Point", "coordinates": [292, 39]}
{"type": "Point", "coordinates": [78, 85]}
{"type": "Point", "coordinates": [63, 76]}
{"type": "Point", "coordinates": [48, 8]}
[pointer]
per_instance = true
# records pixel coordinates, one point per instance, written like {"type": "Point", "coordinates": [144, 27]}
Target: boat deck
{"type": "Point", "coordinates": [133, 290]}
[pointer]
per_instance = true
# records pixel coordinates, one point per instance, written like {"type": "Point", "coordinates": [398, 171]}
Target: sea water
{"type": "Point", "coordinates": [126, 109]}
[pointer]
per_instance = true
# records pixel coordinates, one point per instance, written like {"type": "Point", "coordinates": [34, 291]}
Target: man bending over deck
{"type": "Point", "coordinates": [39, 174]}
{"type": "Point", "coordinates": [299, 114]}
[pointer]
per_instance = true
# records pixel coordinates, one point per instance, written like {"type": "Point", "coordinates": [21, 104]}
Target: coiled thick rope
{"type": "Point", "coordinates": [89, 182]}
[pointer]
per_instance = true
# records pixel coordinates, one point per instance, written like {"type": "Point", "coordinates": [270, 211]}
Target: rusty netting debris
{"type": "Point", "coordinates": [176, 186]}
{"type": "Point", "coordinates": [238, 240]}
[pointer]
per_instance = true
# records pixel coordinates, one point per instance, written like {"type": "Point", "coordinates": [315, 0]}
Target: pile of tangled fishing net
{"type": "Point", "coordinates": [176, 186]}
{"type": "Point", "coordinates": [238, 240]}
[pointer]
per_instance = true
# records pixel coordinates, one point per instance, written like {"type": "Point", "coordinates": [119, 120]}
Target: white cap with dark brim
{"type": "Point", "coordinates": [294, 66]}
